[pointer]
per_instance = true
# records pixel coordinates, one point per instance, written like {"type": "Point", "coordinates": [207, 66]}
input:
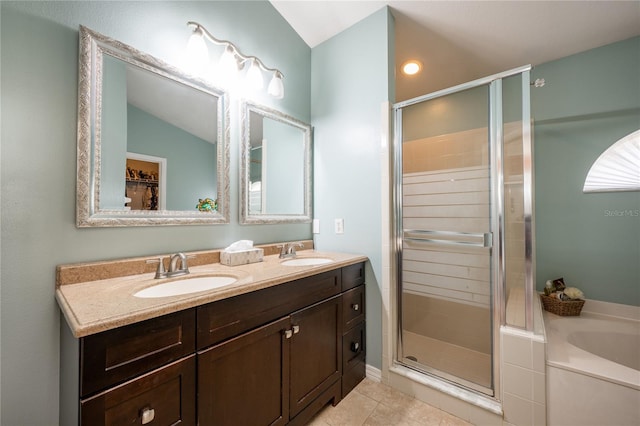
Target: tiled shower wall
{"type": "Point", "coordinates": [523, 377]}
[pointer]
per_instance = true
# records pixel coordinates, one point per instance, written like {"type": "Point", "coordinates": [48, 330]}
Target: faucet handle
{"type": "Point", "coordinates": [185, 267]}
{"type": "Point", "coordinates": [160, 272]}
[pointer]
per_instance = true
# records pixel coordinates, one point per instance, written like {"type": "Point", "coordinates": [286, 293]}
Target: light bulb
{"type": "Point", "coordinates": [254, 76]}
{"type": "Point", "coordinates": [197, 51]}
{"type": "Point", "coordinates": [276, 87]}
{"type": "Point", "coordinates": [411, 67]}
{"type": "Point", "coordinates": [228, 64]}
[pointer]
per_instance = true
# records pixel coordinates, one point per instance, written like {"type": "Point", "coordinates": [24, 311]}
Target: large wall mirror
{"type": "Point", "coordinates": [275, 167]}
{"type": "Point", "coordinates": [153, 142]}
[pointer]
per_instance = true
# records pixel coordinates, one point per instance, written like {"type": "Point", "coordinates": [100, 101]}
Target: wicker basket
{"type": "Point", "coordinates": [564, 308]}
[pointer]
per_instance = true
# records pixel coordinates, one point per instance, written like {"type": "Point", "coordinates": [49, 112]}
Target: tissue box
{"type": "Point", "coordinates": [241, 257]}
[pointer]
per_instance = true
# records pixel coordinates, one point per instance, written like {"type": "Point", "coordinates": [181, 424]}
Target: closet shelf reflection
{"type": "Point", "coordinates": [154, 182]}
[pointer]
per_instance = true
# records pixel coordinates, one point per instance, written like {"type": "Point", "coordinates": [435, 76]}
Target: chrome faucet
{"type": "Point", "coordinates": [173, 265]}
{"type": "Point", "coordinates": [289, 250]}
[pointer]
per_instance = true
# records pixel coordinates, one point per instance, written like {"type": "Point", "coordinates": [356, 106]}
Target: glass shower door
{"type": "Point", "coordinates": [446, 320]}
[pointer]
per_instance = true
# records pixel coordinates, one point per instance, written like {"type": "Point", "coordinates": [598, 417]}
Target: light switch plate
{"type": "Point", "coordinates": [339, 226]}
{"type": "Point", "coordinates": [316, 226]}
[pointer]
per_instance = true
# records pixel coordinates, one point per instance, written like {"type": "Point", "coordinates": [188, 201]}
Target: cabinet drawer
{"type": "Point", "coordinates": [117, 355]}
{"type": "Point", "coordinates": [353, 346]}
{"type": "Point", "coordinates": [352, 276]}
{"type": "Point", "coordinates": [163, 397]}
{"type": "Point", "coordinates": [353, 302]}
{"type": "Point", "coordinates": [231, 317]}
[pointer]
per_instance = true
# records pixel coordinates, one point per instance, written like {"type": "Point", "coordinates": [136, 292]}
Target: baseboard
{"type": "Point", "coordinates": [373, 373]}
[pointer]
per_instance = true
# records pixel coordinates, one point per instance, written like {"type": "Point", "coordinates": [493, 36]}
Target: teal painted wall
{"type": "Point", "coordinates": [114, 130]}
{"type": "Point", "coordinates": [39, 61]}
{"type": "Point", "coordinates": [590, 100]}
{"type": "Point", "coordinates": [346, 113]}
{"type": "Point", "coordinates": [284, 159]}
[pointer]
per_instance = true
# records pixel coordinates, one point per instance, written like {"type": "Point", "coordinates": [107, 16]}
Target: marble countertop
{"type": "Point", "coordinates": [94, 306]}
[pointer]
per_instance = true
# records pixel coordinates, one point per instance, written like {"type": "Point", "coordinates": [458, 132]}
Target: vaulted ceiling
{"type": "Point", "coordinates": [458, 41]}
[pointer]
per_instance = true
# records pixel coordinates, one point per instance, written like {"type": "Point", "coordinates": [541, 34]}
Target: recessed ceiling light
{"type": "Point", "coordinates": [411, 67]}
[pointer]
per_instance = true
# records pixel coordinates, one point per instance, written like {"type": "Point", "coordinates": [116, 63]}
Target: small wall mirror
{"type": "Point", "coordinates": [152, 141]}
{"type": "Point", "coordinates": [276, 167]}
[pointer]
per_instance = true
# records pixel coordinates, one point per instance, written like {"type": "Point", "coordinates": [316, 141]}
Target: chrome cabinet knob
{"type": "Point", "coordinates": [355, 307]}
{"type": "Point", "coordinates": [147, 415]}
{"type": "Point", "coordinates": [355, 346]}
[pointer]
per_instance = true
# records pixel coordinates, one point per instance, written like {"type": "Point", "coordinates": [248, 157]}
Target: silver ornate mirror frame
{"type": "Point", "coordinates": [246, 216]}
{"type": "Point", "coordinates": [88, 212]}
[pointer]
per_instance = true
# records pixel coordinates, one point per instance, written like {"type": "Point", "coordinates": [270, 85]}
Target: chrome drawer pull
{"type": "Point", "coordinates": [148, 414]}
{"type": "Point", "coordinates": [296, 329]}
{"type": "Point", "coordinates": [288, 334]}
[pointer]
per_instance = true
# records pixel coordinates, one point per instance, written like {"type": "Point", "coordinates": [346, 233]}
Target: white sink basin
{"type": "Point", "coordinates": [307, 261]}
{"type": "Point", "coordinates": [185, 286]}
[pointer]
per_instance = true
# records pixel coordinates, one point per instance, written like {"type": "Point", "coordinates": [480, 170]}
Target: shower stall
{"type": "Point", "coordinates": [463, 227]}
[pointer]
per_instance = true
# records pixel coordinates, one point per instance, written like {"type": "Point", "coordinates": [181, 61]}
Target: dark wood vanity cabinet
{"type": "Point", "coordinates": [270, 357]}
{"type": "Point", "coordinates": [270, 375]}
{"type": "Point", "coordinates": [353, 337]}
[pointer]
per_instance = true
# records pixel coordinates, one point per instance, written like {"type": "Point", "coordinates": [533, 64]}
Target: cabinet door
{"type": "Point", "coordinates": [316, 352]}
{"type": "Point", "coordinates": [165, 396]}
{"type": "Point", "coordinates": [245, 381]}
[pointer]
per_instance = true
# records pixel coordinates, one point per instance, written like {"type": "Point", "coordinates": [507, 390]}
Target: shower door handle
{"type": "Point", "coordinates": [487, 239]}
{"type": "Point", "coordinates": [473, 239]}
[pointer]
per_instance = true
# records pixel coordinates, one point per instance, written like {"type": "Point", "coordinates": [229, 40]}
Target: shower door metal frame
{"type": "Point", "coordinates": [497, 240]}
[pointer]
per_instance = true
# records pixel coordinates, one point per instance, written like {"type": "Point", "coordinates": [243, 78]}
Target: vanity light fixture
{"type": "Point", "coordinates": [232, 61]}
{"type": "Point", "coordinates": [411, 67]}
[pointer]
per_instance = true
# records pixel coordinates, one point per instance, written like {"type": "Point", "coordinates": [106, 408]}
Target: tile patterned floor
{"type": "Point", "coordinates": [375, 404]}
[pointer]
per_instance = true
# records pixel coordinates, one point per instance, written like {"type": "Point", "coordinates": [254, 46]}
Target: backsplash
{"type": "Point", "coordinates": [93, 271]}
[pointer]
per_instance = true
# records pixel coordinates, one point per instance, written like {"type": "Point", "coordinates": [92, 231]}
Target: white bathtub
{"type": "Point", "coordinates": [593, 368]}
